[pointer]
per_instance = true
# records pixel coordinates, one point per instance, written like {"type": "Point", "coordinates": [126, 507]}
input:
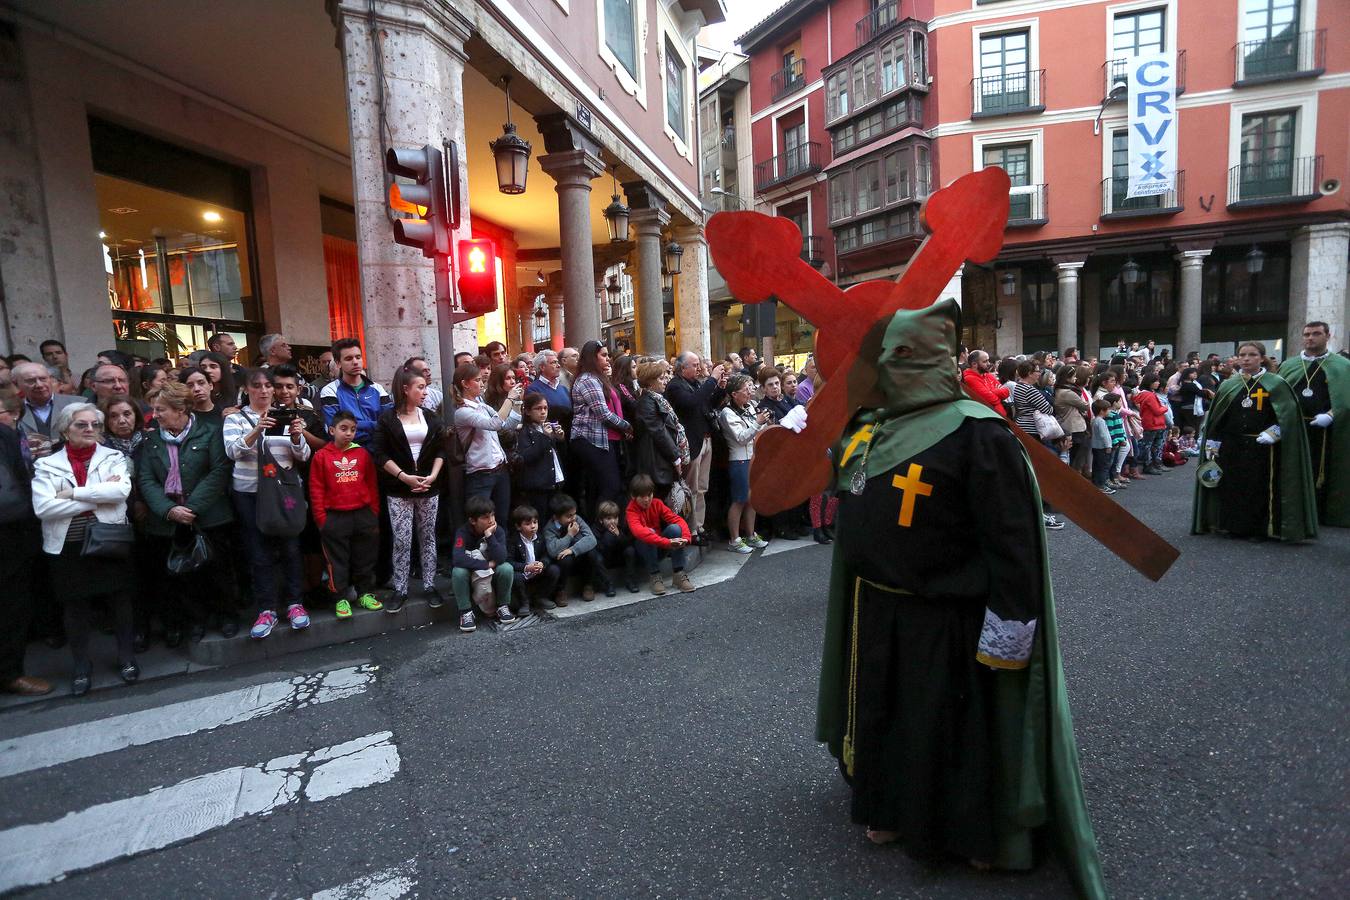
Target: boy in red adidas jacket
{"type": "Point", "coordinates": [657, 531]}
{"type": "Point", "coordinates": [345, 499]}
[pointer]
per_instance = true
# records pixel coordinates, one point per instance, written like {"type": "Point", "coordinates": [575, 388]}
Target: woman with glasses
{"type": "Point", "coordinates": [78, 485]}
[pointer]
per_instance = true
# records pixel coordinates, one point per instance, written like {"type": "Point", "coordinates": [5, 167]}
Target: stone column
{"type": "Point", "coordinates": [423, 59]}
{"type": "Point", "coordinates": [648, 217]}
{"type": "Point", "coordinates": [573, 161]}
{"type": "Point", "coordinates": [1192, 264]}
{"type": "Point", "coordinates": [556, 298]}
{"type": "Point", "coordinates": [1067, 297]}
{"type": "Point", "coordinates": [1318, 282]}
{"type": "Point", "coordinates": [691, 298]}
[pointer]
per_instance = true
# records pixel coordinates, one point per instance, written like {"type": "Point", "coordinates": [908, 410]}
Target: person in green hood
{"type": "Point", "coordinates": [942, 689]}
{"type": "Point", "coordinates": [1321, 379]}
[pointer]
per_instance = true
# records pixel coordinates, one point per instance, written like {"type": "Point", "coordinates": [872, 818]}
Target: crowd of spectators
{"type": "Point", "coordinates": [162, 501]}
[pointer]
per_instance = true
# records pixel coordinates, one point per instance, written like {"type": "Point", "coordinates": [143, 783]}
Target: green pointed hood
{"type": "Point", "coordinates": [919, 388]}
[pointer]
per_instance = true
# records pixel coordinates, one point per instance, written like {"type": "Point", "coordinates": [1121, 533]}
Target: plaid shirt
{"type": "Point", "coordinates": [590, 412]}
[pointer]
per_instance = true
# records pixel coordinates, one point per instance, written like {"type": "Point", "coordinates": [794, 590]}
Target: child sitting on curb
{"type": "Point", "coordinates": [616, 545]}
{"type": "Point", "coordinates": [657, 532]}
{"type": "Point", "coordinates": [527, 552]}
{"type": "Point", "coordinates": [572, 545]}
{"type": "Point", "coordinates": [481, 573]}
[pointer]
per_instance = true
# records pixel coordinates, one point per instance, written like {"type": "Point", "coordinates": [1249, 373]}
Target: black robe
{"type": "Point", "coordinates": [1320, 444]}
{"type": "Point", "coordinates": [935, 563]}
{"type": "Point", "coordinates": [1248, 495]}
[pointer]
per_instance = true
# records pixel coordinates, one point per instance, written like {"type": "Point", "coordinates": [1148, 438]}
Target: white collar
{"type": "Point", "coordinates": [1305, 355]}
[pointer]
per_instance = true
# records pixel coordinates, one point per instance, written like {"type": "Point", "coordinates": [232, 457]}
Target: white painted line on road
{"type": "Point", "coordinates": [778, 545]}
{"type": "Point", "coordinates": [42, 853]}
{"type": "Point", "coordinates": [717, 567]}
{"type": "Point", "coordinates": [62, 745]}
{"type": "Point", "coordinates": [390, 884]}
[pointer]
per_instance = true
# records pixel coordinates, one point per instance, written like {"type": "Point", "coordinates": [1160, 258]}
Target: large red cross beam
{"type": "Point", "coordinates": [759, 256]}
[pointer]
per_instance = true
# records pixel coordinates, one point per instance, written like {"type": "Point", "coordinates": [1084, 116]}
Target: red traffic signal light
{"type": "Point", "coordinates": [477, 276]}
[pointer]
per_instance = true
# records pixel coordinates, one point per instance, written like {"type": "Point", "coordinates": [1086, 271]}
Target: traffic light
{"type": "Point", "coordinates": [477, 276]}
{"type": "Point", "coordinates": [425, 200]}
{"type": "Point", "coordinates": [759, 320]}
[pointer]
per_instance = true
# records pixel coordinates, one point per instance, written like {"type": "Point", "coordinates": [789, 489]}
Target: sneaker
{"type": "Point", "coordinates": [343, 608]}
{"type": "Point", "coordinates": [299, 618]}
{"type": "Point", "coordinates": [434, 598]}
{"type": "Point", "coordinates": [683, 583]}
{"type": "Point", "coordinates": [754, 540]}
{"type": "Point", "coordinates": [267, 620]}
{"type": "Point", "coordinates": [504, 615]}
{"type": "Point", "coordinates": [1107, 489]}
{"type": "Point", "coordinates": [1053, 524]}
{"type": "Point", "coordinates": [467, 622]}
{"type": "Point", "coordinates": [740, 546]}
{"type": "Point", "coordinates": [658, 586]}
{"type": "Point", "coordinates": [395, 603]}
{"type": "Point", "coordinates": [368, 601]}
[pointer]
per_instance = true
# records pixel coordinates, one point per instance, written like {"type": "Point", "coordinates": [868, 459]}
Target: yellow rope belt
{"type": "Point", "coordinates": [850, 734]}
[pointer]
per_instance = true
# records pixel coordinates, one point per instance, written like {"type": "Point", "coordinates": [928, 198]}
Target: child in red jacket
{"type": "Point", "coordinates": [345, 499]}
{"type": "Point", "coordinates": [657, 531]}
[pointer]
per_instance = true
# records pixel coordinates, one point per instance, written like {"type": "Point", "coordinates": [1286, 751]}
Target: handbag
{"type": "Point", "coordinates": [1047, 426]}
{"type": "Point", "coordinates": [282, 507]}
{"type": "Point", "coordinates": [189, 551]}
{"type": "Point", "coordinates": [679, 499]}
{"type": "Point", "coordinates": [108, 540]}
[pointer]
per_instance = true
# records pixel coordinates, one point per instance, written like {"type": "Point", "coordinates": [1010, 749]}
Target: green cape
{"type": "Point", "coordinates": [1034, 728]}
{"type": "Point", "coordinates": [1337, 369]}
{"type": "Point", "coordinates": [1298, 502]}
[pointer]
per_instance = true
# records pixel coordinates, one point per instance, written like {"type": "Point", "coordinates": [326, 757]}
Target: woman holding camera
{"type": "Point", "coordinates": [81, 485]}
{"type": "Point", "coordinates": [740, 423]}
{"type": "Point", "coordinates": [270, 557]}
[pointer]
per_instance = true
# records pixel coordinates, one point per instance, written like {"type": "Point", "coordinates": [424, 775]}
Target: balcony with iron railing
{"type": "Point", "coordinates": [1028, 206]}
{"type": "Point", "coordinates": [790, 78]}
{"type": "Point", "coordinates": [1115, 205]}
{"type": "Point", "coordinates": [1116, 78]}
{"type": "Point", "coordinates": [813, 249]}
{"type": "Point", "coordinates": [795, 163]}
{"type": "Point", "coordinates": [1007, 94]}
{"type": "Point", "coordinates": [877, 22]}
{"type": "Point", "coordinates": [1275, 182]}
{"type": "Point", "coordinates": [1299, 55]}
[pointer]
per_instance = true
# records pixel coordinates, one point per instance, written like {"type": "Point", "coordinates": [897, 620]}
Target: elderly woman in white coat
{"type": "Point", "coordinates": [82, 483]}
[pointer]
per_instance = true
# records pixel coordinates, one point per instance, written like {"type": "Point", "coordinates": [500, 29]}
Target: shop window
{"type": "Point", "coordinates": [1230, 292]}
{"type": "Point", "coordinates": [176, 231]}
{"type": "Point", "coordinates": [1149, 301]}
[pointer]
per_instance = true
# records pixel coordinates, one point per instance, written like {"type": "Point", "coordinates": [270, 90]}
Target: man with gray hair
{"type": "Point", "coordinates": [273, 350]}
{"type": "Point", "coordinates": [694, 399]}
{"type": "Point", "coordinates": [570, 357]}
{"type": "Point", "coordinates": [41, 403]}
{"type": "Point", "coordinates": [549, 382]}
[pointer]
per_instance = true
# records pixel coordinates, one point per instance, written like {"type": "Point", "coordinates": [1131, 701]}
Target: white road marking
{"type": "Point", "coordinates": [716, 568]}
{"type": "Point", "coordinates": [389, 884]}
{"type": "Point", "coordinates": [62, 745]}
{"type": "Point", "coordinates": [42, 853]}
{"type": "Point", "coordinates": [778, 545]}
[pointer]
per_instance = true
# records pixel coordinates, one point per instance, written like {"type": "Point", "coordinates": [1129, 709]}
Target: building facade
{"type": "Point", "coordinates": [1255, 236]}
{"type": "Point", "coordinates": [224, 170]}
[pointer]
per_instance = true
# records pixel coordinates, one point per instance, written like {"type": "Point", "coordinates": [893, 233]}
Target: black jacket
{"type": "Point", "coordinates": [391, 442]}
{"type": "Point", "coordinates": [656, 449]}
{"type": "Point", "coordinates": [695, 403]}
{"type": "Point", "coordinates": [494, 548]}
{"type": "Point", "coordinates": [515, 549]}
{"type": "Point", "coordinates": [536, 473]}
{"type": "Point", "coordinates": [23, 537]}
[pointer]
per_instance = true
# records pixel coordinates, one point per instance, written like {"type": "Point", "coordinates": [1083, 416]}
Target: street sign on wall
{"type": "Point", "coordinates": [1152, 122]}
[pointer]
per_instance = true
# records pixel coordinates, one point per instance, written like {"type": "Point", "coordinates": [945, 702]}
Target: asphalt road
{"type": "Point", "coordinates": [664, 749]}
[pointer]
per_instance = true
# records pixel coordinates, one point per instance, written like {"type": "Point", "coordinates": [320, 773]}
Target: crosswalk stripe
{"type": "Point", "coordinates": [390, 884]}
{"type": "Point", "coordinates": [62, 745]}
{"type": "Point", "coordinates": [42, 853]}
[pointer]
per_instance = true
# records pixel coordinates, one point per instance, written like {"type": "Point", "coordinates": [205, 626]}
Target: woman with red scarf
{"type": "Point", "coordinates": [82, 483]}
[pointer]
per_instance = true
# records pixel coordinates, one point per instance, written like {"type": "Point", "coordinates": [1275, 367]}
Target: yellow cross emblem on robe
{"type": "Point", "coordinates": [1260, 395]}
{"type": "Point", "coordinates": [862, 436]}
{"type": "Point", "coordinates": [913, 487]}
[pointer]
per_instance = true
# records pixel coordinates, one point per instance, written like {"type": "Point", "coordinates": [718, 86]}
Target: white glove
{"type": "Point", "coordinates": [795, 419]}
{"type": "Point", "coordinates": [1269, 436]}
{"type": "Point", "coordinates": [1321, 420]}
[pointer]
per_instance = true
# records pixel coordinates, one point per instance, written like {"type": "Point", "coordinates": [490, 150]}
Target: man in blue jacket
{"type": "Point", "coordinates": [353, 391]}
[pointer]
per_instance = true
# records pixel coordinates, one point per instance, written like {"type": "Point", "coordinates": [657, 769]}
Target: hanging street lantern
{"type": "Point", "coordinates": [511, 152]}
{"type": "Point", "coordinates": [1130, 272]}
{"type": "Point", "coordinates": [1256, 261]}
{"type": "Point", "coordinates": [673, 253]}
{"type": "Point", "coordinates": [613, 289]}
{"type": "Point", "coordinates": [1008, 282]}
{"type": "Point", "coordinates": [616, 214]}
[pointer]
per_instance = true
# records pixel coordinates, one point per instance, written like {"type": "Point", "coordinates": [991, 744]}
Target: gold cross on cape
{"type": "Point", "coordinates": [862, 436]}
{"type": "Point", "coordinates": [913, 487]}
{"type": "Point", "coordinates": [1260, 395]}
